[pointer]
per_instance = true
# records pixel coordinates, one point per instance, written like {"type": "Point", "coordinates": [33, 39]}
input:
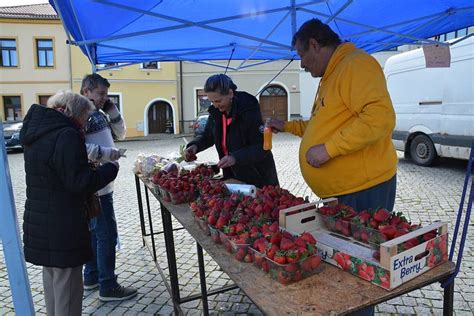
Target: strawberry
{"type": "Point", "coordinates": [306, 265]}
{"type": "Point", "coordinates": [283, 277]}
{"type": "Point", "coordinates": [291, 267]}
{"type": "Point", "coordinates": [240, 254]}
{"type": "Point", "coordinates": [401, 232]}
{"type": "Point", "coordinates": [364, 216]}
{"type": "Point", "coordinates": [280, 257]}
{"type": "Point", "coordinates": [315, 261]}
{"type": "Point", "coordinates": [389, 231]}
{"type": "Point", "coordinates": [275, 238]}
{"type": "Point", "coordinates": [300, 243]}
{"type": "Point", "coordinates": [286, 244]}
{"type": "Point", "coordinates": [381, 215]}
{"type": "Point", "coordinates": [272, 251]}
{"type": "Point", "coordinates": [248, 258]}
{"type": "Point", "coordinates": [308, 238]}
{"type": "Point", "coordinates": [297, 275]}
{"type": "Point", "coordinates": [292, 256]}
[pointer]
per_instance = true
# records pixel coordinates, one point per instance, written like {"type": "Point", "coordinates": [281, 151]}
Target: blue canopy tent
{"type": "Point", "coordinates": [252, 31]}
{"type": "Point", "coordinates": [124, 31]}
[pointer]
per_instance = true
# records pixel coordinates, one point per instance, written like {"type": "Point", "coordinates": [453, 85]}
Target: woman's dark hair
{"type": "Point", "coordinates": [219, 83]}
{"type": "Point", "coordinates": [317, 30]}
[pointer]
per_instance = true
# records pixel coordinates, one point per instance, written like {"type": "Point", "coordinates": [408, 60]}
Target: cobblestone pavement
{"type": "Point", "coordinates": [425, 194]}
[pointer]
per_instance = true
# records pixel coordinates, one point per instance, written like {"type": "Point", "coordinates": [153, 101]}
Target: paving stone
{"type": "Point", "coordinates": [407, 310]}
{"type": "Point", "coordinates": [386, 308]}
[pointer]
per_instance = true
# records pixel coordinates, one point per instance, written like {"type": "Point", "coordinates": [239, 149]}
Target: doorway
{"type": "Point", "coordinates": [160, 118]}
{"type": "Point", "coordinates": [274, 103]}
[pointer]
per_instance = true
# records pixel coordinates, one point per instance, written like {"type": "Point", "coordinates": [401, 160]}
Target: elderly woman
{"type": "Point", "coordinates": [235, 126]}
{"type": "Point", "coordinates": [58, 180]}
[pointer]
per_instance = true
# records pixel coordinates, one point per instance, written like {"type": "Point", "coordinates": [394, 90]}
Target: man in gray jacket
{"type": "Point", "coordinates": [104, 125]}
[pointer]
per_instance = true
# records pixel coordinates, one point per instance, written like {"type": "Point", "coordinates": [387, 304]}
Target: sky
{"type": "Point", "coordinates": [9, 3]}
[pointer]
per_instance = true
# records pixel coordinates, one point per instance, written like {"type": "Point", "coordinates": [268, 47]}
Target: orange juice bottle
{"type": "Point", "coordinates": [267, 136]}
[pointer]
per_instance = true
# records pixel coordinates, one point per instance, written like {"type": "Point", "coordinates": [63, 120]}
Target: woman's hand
{"type": "Point", "coordinates": [276, 125]}
{"type": "Point", "coordinates": [226, 161]}
{"type": "Point", "coordinates": [190, 153]}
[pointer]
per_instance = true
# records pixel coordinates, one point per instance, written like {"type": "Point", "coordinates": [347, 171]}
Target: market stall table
{"type": "Point", "coordinates": [332, 291]}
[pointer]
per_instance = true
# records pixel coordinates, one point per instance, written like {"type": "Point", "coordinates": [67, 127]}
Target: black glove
{"type": "Point", "coordinates": [108, 105]}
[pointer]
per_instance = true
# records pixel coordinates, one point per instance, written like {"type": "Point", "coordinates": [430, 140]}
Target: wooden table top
{"type": "Point", "coordinates": [331, 292]}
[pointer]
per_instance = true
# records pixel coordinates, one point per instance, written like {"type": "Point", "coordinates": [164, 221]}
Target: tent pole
{"type": "Point", "coordinates": [181, 101]}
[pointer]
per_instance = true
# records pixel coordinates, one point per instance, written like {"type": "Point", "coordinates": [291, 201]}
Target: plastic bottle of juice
{"type": "Point", "coordinates": [267, 136]}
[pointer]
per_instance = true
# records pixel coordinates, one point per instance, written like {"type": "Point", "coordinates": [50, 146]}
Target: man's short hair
{"type": "Point", "coordinates": [92, 81]}
{"type": "Point", "coordinates": [317, 30]}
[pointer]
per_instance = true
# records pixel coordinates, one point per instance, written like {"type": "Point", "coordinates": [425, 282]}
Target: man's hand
{"type": "Point", "coordinates": [190, 153]}
{"type": "Point", "coordinates": [276, 125]}
{"type": "Point", "coordinates": [317, 155]}
{"type": "Point", "coordinates": [226, 161]}
{"type": "Point", "coordinates": [108, 105]}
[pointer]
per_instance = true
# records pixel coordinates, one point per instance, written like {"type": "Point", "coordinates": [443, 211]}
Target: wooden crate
{"type": "Point", "coordinates": [396, 266]}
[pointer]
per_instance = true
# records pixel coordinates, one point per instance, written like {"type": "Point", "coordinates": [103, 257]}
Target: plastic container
{"type": "Point", "coordinates": [367, 235]}
{"type": "Point", "coordinates": [294, 272]}
{"type": "Point", "coordinates": [215, 234]}
{"type": "Point", "coordinates": [232, 247]}
{"type": "Point", "coordinates": [202, 224]}
{"type": "Point", "coordinates": [260, 260]}
{"type": "Point", "coordinates": [181, 197]}
{"type": "Point", "coordinates": [165, 195]}
{"type": "Point", "coordinates": [336, 224]}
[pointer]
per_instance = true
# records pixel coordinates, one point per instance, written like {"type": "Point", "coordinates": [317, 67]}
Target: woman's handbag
{"type": "Point", "coordinates": [93, 207]}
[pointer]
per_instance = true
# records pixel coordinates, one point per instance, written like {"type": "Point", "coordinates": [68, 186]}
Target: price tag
{"type": "Point", "coordinates": [437, 56]}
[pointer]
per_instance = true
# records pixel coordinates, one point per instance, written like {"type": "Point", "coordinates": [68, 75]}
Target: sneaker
{"type": "Point", "coordinates": [88, 286]}
{"type": "Point", "coordinates": [118, 293]}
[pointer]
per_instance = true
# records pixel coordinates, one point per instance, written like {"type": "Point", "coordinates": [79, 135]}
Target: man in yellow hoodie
{"type": "Point", "coordinates": [346, 149]}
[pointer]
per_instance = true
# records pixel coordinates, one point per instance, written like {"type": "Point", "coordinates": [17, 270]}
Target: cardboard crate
{"type": "Point", "coordinates": [396, 265]}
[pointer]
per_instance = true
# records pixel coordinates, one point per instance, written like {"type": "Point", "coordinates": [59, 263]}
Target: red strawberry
{"type": "Point", "coordinates": [275, 238]}
{"type": "Point", "coordinates": [283, 277]}
{"type": "Point", "coordinates": [300, 243]}
{"type": "Point", "coordinates": [292, 256]}
{"type": "Point", "coordinates": [308, 238]}
{"type": "Point", "coordinates": [364, 216]}
{"type": "Point", "coordinates": [401, 232]}
{"type": "Point", "coordinates": [280, 257]}
{"type": "Point", "coordinates": [248, 258]}
{"type": "Point", "coordinates": [297, 275]}
{"type": "Point", "coordinates": [381, 215]}
{"type": "Point", "coordinates": [315, 261]}
{"type": "Point", "coordinates": [291, 267]}
{"type": "Point", "coordinates": [389, 231]}
{"type": "Point", "coordinates": [272, 251]}
{"type": "Point", "coordinates": [274, 227]}
{"type": "Point", "coordinates": [286, 244]}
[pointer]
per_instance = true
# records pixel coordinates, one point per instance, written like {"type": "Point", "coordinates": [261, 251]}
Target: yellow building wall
{"type": "Point", "coordinates": [27, 80]}
{"type": "Point", "coordinates": [138, 89]}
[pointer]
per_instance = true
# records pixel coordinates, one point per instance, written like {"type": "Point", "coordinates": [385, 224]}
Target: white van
{"type": "Point", "coordinates": [434, 106]}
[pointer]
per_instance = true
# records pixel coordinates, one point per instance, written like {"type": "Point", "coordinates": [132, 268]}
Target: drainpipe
{"type": "Point", "coordinates": [181, 125]}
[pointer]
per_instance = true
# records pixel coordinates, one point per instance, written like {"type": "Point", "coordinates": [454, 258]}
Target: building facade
{"type": "Point", "coordinates": [34, 60]}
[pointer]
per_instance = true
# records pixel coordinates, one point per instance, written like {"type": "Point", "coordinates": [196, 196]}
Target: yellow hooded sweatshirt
{"type": "Point", "coordinates": [354, 118]}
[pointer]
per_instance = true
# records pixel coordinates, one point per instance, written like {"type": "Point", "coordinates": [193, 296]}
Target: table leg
{"type": "Point", "coordinates": [448, 300]}
{"type": "Point", "coordinates": [152, 235]}
{"type": "Point", "coordinates": [140, 207]}
{"type": "Point", "coordinates": [170, 254]}
{"type": "Point", "coordinates": [202, 276]}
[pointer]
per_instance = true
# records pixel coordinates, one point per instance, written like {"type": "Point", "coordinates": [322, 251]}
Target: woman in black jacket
{"type": "Point", "coordinates": [235, 126]}
{"type": "Point", "coordinates": [58, 181]}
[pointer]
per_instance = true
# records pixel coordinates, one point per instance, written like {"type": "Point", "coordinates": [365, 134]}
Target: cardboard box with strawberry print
{"type": "Point", "coordinates": [401, 258]}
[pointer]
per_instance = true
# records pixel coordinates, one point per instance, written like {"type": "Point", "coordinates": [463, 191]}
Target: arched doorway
{"type": "Point", "coordinates": [160, 118]}
{"type": "Point", "coordinates": [274, 103]}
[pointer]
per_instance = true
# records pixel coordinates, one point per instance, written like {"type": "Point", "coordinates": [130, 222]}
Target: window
{"type": "Point", "coordinates": [9, 56]}
{"type": "Point", "coordinates": [274, 91]}
{"type": "Point", "coordinates": [115, 98]}
{"type": "Point", "coordinates": [151, 65]}
{"type": "Point", "coordinates": [44, 50]}
{"type": "Point", "coordinates": [12, 108]}
{"type": "Point", "coordinates": [43, 99]}
{"type": "Point", "coordinates": [461, 32]}
{"type": "Point", "coordinates": [203, 103]}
